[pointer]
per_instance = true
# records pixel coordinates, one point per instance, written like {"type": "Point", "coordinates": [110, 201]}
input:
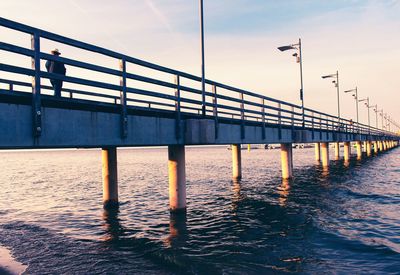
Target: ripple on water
{"type": "Point", "coordinates": [342, 221]}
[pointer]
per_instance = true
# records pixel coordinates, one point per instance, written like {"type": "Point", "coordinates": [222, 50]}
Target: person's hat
{"type": "Point", "coordinates": [56, 52]}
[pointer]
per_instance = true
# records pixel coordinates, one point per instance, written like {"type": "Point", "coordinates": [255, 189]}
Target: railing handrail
{"type": "Point", "coordinates": [329, 122]}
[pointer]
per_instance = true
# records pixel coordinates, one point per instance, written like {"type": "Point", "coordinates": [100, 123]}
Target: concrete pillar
{"type": "Point", "coordinates": [337, 150]}
{"type": "Point", "coordinates": [365, 146]}
{"type": "Point", "coordinates": [236, 162]}
{"type": "Point", "coordinates": [359, 150]}
{"type": "Point", "coordinates": [347, 151]}
{"type": "Point", "coordinates": [317, 151]}
{"type": "Point", "coordinates": [368, 148]}
{"type": "Point", "coordinates": [325, 154]}
{"type": "Point", "coordinates": [376, 147]}
{"type": "Point", "coordinates": [287, 160]}
{"type": "Point", "coordinates": [384, 145]}
{"type": "Point", "coordinates": [110, 177]}
{"type": "Point", "coordinates": [177, 177]}
{"type": "Point", "coordinates": [380, 145]}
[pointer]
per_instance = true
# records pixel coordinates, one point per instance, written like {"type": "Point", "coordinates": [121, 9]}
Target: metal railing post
{"type": "Point", "coordinates": [36, 101]}
{"type": "Point", "coordinates": [279, 121]}
{"type": "Point", "coordinates": [215, 109]}
{"type": "Point", "coordinates": [320, 126]}
{"type": "Point", "coordinates": [292, 116]}
{"type": "Point", "coordinates": [263, 118]}
{"type": "Point", "coordinates": [242, 132]}
{"type": "Point", "coordinates": [11, 87]}
{"type": "Point", "coordinates": [178, 107]}
{"type": "Point", "coordinates": [124, 115]}
{"type": "Point", "coordinates": [312, 125]}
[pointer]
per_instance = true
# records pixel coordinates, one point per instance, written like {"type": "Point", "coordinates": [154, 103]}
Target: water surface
{"type": "Point", "coordinates": [343, 221]}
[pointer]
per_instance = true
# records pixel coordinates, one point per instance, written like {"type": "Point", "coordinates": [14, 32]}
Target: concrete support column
{"type": "Point", "coordinates": [236, 162]}
{"type": "Point", "coordinates": [380, 145]}
{"type": "Point", "coordinates": [325, 154]}
{"type": "Point", "coordinates": [287, 160]}
{"type": "Point", "coordinates": [359, 150]}
{"type": "Point", "coordinates": [317, 151]}
{"type": "Point", "coordinates": [376, 147]}
{"type": "Point", "coordinates": [384, 145]}
{"type": "Point", "coordinates": [177, 177]}
{"type": "Point", "coordinates": [337, 150]}
{"type": "Point", "coordinates": [347, 151]}
{"type": "Point", "coordinates": [110, 177]}
{"type": "Point", "coordinates": [368, 148]}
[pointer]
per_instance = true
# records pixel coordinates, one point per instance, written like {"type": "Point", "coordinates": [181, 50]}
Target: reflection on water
{"type": "Point", "coordinates": [177, 230]}
{"type": "Point", "coordinates": [112, 226]}
{"type": "Point", "coordinates": [344, 219]}
{"type": "Point", "coordinates": [283, 191]}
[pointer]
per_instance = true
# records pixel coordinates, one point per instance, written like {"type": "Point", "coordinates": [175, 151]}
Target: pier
{"type": "Point", "coordinates": [144, 110]}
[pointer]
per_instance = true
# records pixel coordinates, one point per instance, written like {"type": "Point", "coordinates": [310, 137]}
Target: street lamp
{"type": "Point", "coordinates": [203, 85]}
{"type": "Point", "coordinates": [298, 60]}
{"type": "Point", "coordinates": [336, 82]}
{"type": "Point", "coordinates": [376, 115]}
{"type": "Point", "coordinates": [355, 95]}
{"type": "Point", "coordinates": [381, 114]}
{"type": "Point", "coordinates": [367, 105]}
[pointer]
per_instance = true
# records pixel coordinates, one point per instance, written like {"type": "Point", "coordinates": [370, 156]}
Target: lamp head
{"type": "Point", "coordinates": [285, 48]}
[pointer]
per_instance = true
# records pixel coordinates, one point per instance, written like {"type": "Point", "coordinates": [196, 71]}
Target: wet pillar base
{"type": "Point", "coordinates": [347, 151]}
{"type": "Point", "coordinates": [337, 150]}
{"type": "Point", "coordinates": [325, 154]}
{"type": "Point", "coordinates": [369, 148]}
{"type": "Point", "coordinates": [317, 151]}
{"type": "Point", "coordinates": [287, 160]}
{"type": "Point", "coordinates": [177, 178]}
{"type": "Point", "coordinates": [110, 177]}
{"type": "Point", "coordinates": [376, 147]}
{"type": "Point", "coordinates": [359, 149]}
{"type": "Point", "coordinates": [236, 162]}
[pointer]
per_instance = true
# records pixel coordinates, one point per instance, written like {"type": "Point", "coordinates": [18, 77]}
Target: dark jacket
{"type": "Point", "coordinates": [55, 67]}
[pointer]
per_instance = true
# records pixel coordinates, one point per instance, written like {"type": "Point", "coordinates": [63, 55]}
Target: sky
{"type": "Point", "coordinates": [360, 39]}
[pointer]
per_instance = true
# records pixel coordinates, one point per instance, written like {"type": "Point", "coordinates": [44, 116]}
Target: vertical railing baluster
{"type": "Point", "coordinates": [124, 114]}
{"type": "Point", "coordinates": [312, 125]}
{"type": "Point", "coordinates": [320, 126]}
{"type": "Point", "coordinates": [242, 131]}
{"type": "Point", "coordinates": [215, 110]}
{"type": "Point", "coordinates": [263, 117]}
{"type": "Point", "coordinates": [36, 101]}
{"type": "Point", "coordinates": [11, 87]}
{"type": "Point", "coordinates": [279, 121]}
{"type": "Point", "coordinates": [178, 107]}
{"type": "Point", "coordinates": [326, 126]}
{"type": "Point", "coordinates": [292, 117]}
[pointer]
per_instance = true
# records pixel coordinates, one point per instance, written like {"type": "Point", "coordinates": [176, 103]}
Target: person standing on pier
{"type": "Point", "coordinates": [56, 67]}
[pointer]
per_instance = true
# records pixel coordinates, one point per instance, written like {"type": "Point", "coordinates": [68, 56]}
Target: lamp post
{"type": "Point", "coordinates": [376, 115]}
{"type": "Point", "coordinates": [203, 85]}
{"type": "Point", "coordinates": [355, 95]}
{"type": "Point", "coordinates": [336, 82]}
{"type": "Point", "coordinates": [366, 104]}
{"type": "Point", "coordinates": [299, 59]}
{"type": "Point", "coordinates": [381, 114]}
